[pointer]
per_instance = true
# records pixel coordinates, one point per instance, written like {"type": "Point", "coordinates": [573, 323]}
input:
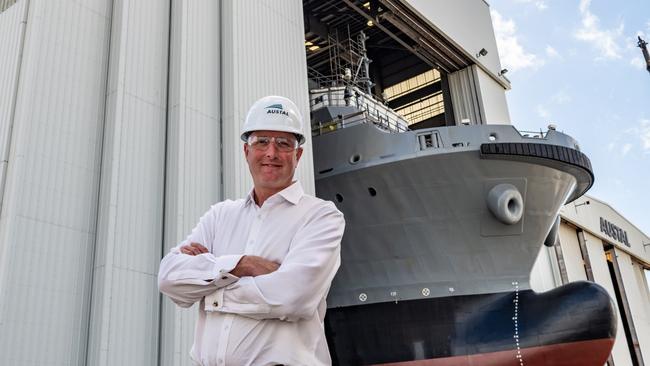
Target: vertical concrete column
{"type": "Point", "coordinates": [263, 54]}
{"type": "Point", "coordinates": [193, 178]}
{"type": "Point", "coordinates": [125, 300]}
{"type": "Point", "coordinates": [49, 211]}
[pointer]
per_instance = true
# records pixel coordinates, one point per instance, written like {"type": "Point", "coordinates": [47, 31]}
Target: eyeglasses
{"type": "Point", "coordinates": [262, 143]}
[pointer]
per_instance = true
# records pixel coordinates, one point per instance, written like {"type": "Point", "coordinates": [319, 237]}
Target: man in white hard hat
{"type": "Point", "coordinates": [260, 267]}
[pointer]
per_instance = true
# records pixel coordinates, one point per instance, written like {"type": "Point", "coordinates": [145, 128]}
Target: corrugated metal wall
{"type": "Point", "coordinates": [193, 178]}
{"type": "Point", "coordinates": [118, 140]}
{"type": "Point", "coordinates": [125, 301]}
{"type": "Point", "coordinates": [263, 54]}
{"type": "Point", "coordinates": [12, 31]}
{"type": "Point", "coordinates": [49, 211]}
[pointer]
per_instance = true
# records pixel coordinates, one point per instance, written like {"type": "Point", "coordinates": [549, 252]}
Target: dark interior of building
{"type": "Point", "coordinates": [408, 61]}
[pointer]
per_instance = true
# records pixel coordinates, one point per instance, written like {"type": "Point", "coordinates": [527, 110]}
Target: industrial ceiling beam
{"type": "Point", "coordinates": [392, 35]}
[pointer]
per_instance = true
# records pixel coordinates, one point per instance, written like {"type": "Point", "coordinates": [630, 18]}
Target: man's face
{"type": "Point", "coordinates": [272, 169]}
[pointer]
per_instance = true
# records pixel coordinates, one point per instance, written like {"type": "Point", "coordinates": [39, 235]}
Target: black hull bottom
{"type": "Point", "coordinates": [571, 325]}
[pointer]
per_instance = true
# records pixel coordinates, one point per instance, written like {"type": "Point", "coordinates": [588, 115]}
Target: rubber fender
{"type": "Point", "coordinates": [552, 234]}
{"type": "Point", "coordinates": [505, 203]}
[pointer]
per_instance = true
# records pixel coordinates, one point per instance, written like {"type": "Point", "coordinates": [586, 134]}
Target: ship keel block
{"type": "Point", "coordinates": [573, 324]}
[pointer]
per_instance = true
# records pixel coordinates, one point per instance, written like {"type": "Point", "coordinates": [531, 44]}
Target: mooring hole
{"type": "Point", "coordinates": [339, 198]}
{"type": "Point", "coordinates": [355, 158]}
{"type": "Point", "coordinates": [372, 191]}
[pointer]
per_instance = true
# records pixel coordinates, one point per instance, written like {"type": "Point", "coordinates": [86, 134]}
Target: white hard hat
{"type": "Point", "coordinates": [274, 113]}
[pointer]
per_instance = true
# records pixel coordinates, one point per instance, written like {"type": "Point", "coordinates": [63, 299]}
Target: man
{"type": "Point", "coordinates": [261, 267]}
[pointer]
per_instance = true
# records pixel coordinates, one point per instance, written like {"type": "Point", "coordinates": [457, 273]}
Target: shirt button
{"type": "Point", "coordinates": [216, 303]}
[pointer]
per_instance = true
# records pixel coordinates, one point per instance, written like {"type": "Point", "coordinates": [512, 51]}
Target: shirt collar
{"type": "Point", "coordinates": [293, 193]}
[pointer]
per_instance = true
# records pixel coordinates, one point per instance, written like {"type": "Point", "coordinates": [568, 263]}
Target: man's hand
{"type": "Point", "coordinates": [252, 265]}
{"type": "Point", "coordinates": [193, 249]}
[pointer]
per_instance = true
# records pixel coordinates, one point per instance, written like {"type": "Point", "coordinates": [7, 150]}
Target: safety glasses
{"type": "Point", "coordinates": [262, 143]}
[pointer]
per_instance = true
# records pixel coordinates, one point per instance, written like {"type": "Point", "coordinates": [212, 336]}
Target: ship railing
{"type": "Point", "coordinates": [368, 110]}
{"type": "Point", "coordinates": [533, 134]}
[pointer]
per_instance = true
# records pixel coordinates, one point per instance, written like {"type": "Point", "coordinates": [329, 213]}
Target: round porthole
{"type": "Point", "coordinates": [355, 158]}
{"type": "Point", "coordinates": [372, 191]}
{"type": "Point", "coordinates": [492, 137]}
{"type": "Point", "coordinates": [339, 198]}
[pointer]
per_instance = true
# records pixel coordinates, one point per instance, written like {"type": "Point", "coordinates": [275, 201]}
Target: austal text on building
{"type": "Point", "coordinates": [614, 231]}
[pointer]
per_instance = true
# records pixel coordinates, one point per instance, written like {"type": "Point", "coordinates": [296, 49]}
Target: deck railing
{"type": "Point", "coordinates": [367, 110]}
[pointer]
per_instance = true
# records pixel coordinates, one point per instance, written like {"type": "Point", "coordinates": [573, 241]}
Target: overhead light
{"type": "Point", "coordinates": [367, 5]}
{"type": "Point", "coordinates": [307, 43]}
{"type": "Point", "coordinates": [314, 47]}
{"type": "Point", "coordinates": [370, 23]}
{"type": "Point", "coordinates": [482, 52]}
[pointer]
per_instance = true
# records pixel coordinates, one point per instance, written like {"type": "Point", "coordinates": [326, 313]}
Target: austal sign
{"type": "Point", "coordinates": [613, 231]}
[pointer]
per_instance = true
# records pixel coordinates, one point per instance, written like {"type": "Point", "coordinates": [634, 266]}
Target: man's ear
{"type": "Point", "coordinates": [298, 154]}
{"type": "Point", "coordinates": [245, 149]}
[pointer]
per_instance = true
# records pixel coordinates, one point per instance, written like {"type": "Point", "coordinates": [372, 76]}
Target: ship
{"type": "Point", "coordinates": [443, 226]}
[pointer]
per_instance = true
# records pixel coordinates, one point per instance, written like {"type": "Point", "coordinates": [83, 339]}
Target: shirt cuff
{"type": "Point", "coordinates": [226, 263]}
{"type": "Point", "coordinates": [214, 302]}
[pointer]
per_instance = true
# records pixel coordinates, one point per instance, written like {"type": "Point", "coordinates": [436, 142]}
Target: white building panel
{"type": "Point", "coordinates": [493, 99]}
{"type": "Point", "coordinates": [12, 31]}
{"type": "Point", "coordinates": [600, 270]}
{"type": "Point", "coordinates": [47, 227]}
{"type": "Point", "coordinates": [466, 23]}
{"type": "Point", "coordinates": [637, 299]}
{"type": "Point", "coordinates": [590, 217]}
{"type": "Point", "coordinates": [573, 262]}
{"type": "Point", "coordinates": [263, 54]}
{"type": "Point", "coordinates": [193, 175]}
{"type": "Point", "coordinates": [130, 220]}
{"type": "Point", "coordinates": [466, 97]}
{"type": "Point", "coordinates": [543, 276]}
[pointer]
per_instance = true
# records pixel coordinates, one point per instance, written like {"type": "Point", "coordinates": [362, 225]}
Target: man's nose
{"type": "Point", "coordinates": [272, 150]}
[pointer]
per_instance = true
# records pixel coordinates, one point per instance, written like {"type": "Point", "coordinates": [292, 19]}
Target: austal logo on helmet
{"type": "Point", "coordinates": [276, 109]}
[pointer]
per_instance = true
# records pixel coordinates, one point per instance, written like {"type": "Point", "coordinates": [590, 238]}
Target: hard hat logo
{"type": "Point", "coordinates": [285, 117]}
{"type": "Point", "coordinates": [276, 109]}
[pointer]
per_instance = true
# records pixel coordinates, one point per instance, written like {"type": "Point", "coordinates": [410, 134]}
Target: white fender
{"type": "Point", "coordinates": [505, 203]}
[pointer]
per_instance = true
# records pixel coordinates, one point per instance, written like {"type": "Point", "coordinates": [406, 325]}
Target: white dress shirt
{"type": "Point", "coordinates": [265, 320]}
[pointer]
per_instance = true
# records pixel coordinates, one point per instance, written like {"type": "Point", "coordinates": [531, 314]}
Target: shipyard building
{"type": "Point", "coordinates": [119, 127]}
{"type": "Point", "coordinates": [597, 243]}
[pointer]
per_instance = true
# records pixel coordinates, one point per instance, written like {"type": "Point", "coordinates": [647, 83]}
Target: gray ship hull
{"type": "Point", "coordinates": [418, 225]}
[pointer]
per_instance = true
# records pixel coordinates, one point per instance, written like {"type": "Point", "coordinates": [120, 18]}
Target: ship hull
{"type": "Point", "coordinates": [423, 224]}
{"type": "Point", "coordinates": [571, 325]}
